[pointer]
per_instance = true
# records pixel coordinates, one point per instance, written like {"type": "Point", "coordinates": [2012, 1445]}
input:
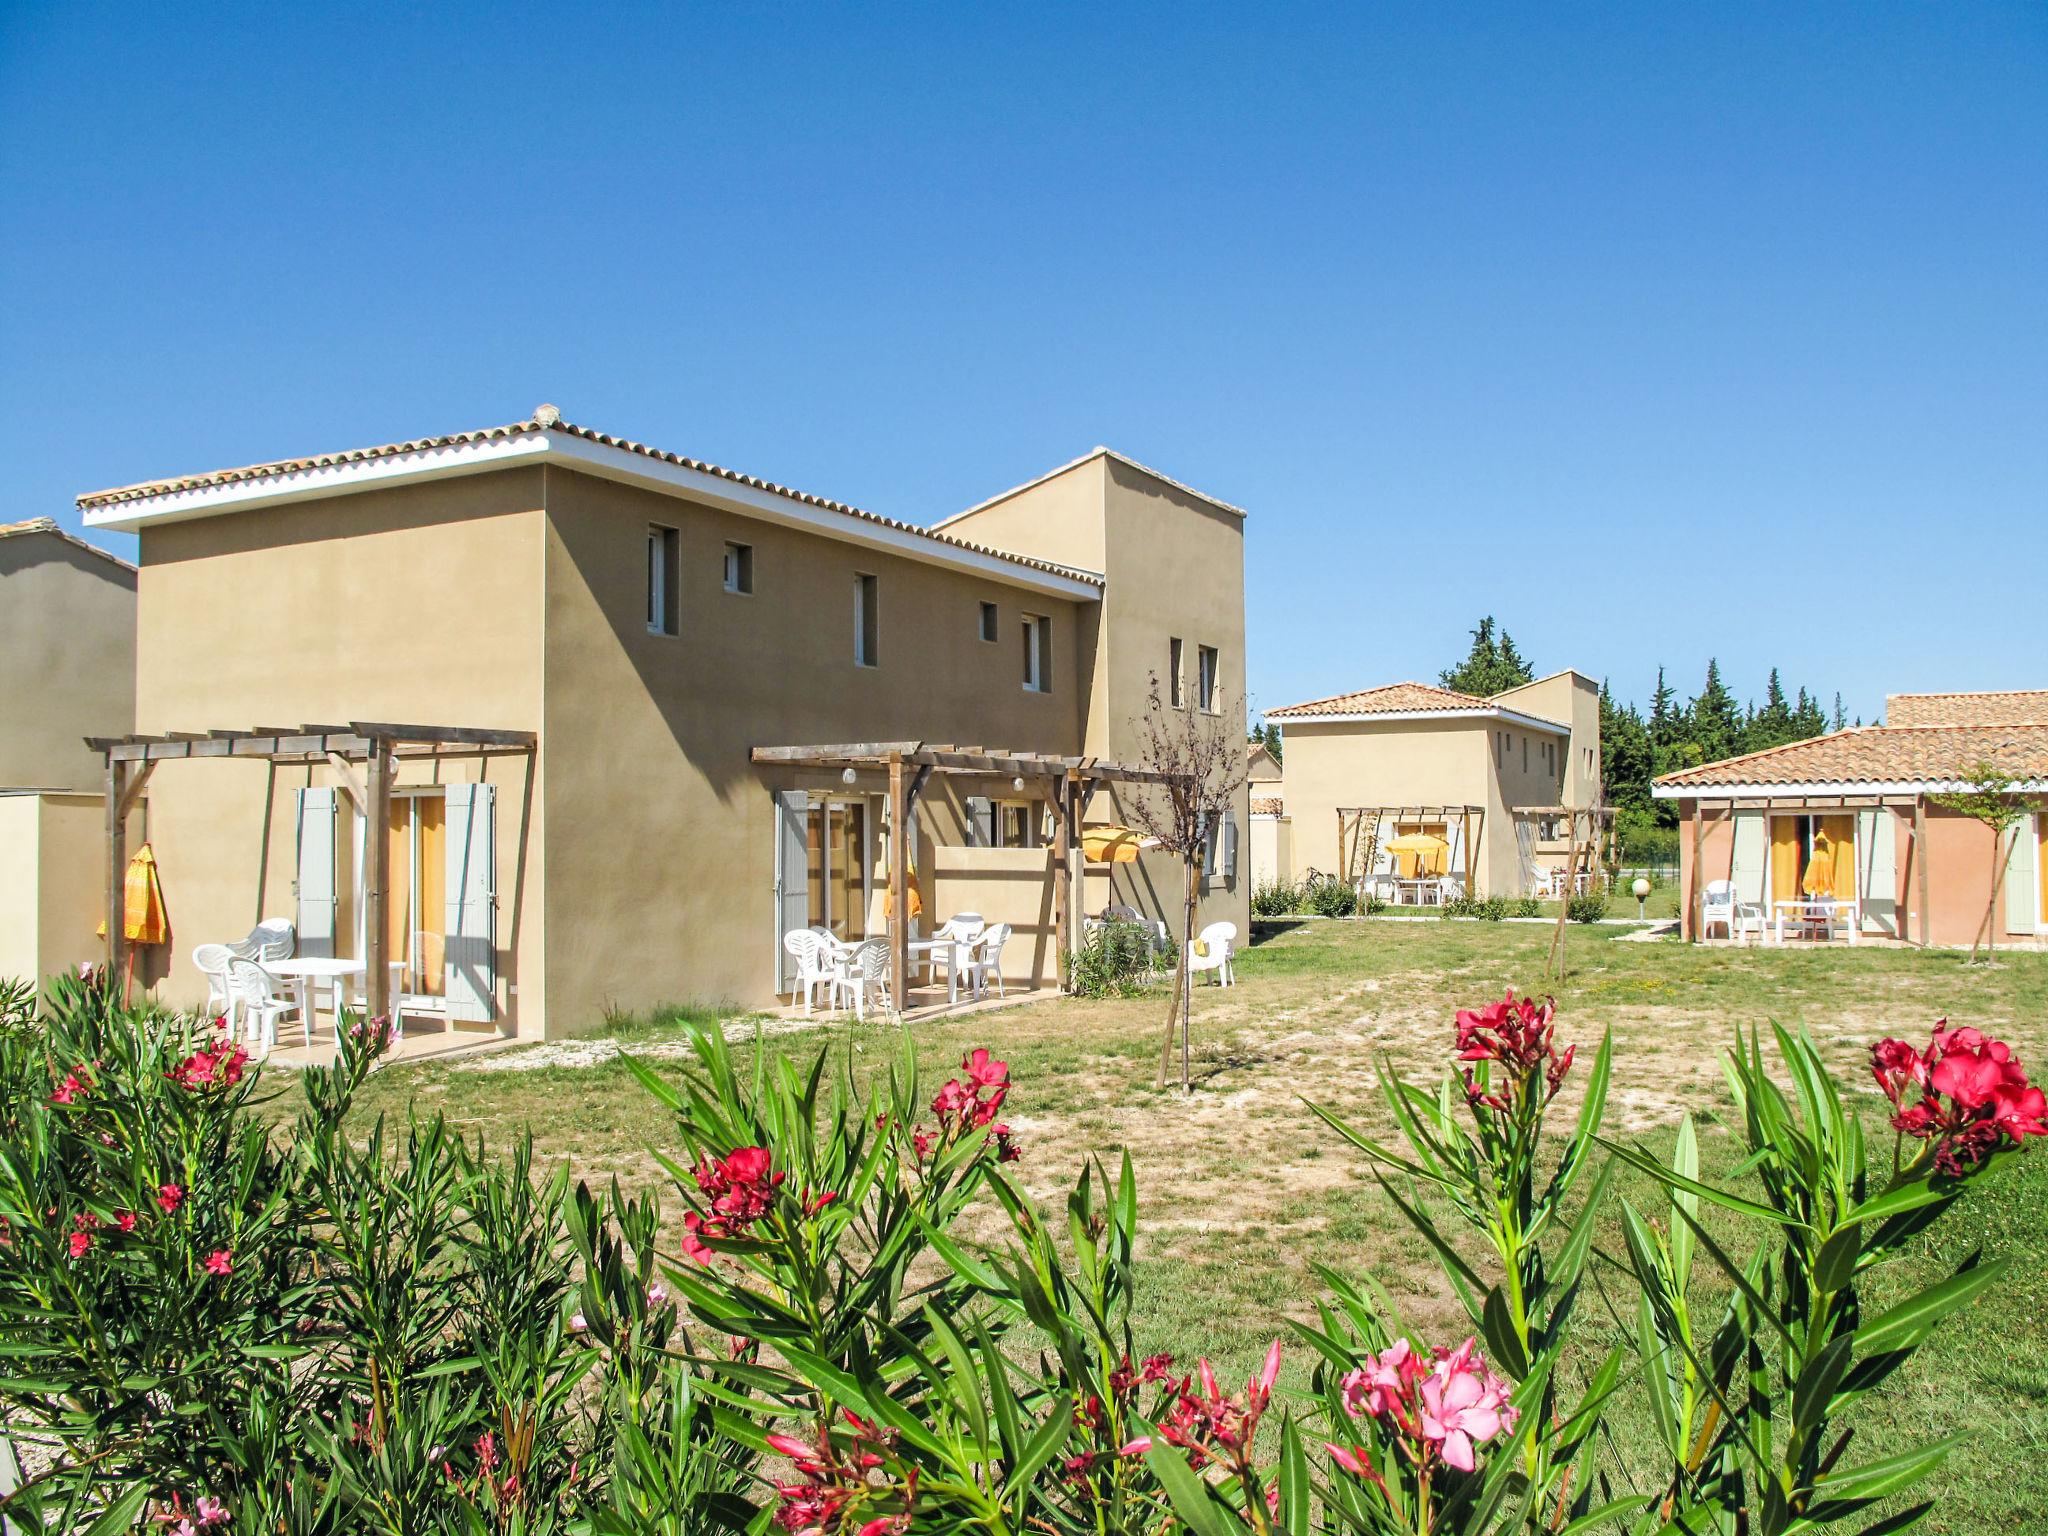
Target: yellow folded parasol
{"type": "Point", "coordinates": [1114, 845]}
{"type": "Point", "coordinates": [142, 902]}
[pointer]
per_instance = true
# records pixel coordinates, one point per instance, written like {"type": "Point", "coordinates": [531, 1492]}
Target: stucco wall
{"type": "Point", "coordinates": [67, 660]}
{"type": "Point", "coordinates": [413, 605]}
{"type": "Point", "coordinates": [52, 851]}
{"type": "Point", "coordinates": [1394, 762]}
{"type": "Point", "coordinates": [1004, 885]}
{"type": "Point", "coordinates": [662, 838]}
{"type": "Point", "coordinates": [1958, 862]}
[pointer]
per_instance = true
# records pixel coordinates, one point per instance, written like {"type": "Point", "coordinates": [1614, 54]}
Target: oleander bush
{"type": "Point", "coordinates": [1588, 907]}
{"type": "Point", "coordinates": [209, 1324]}
{"type": "Point", "coordinates": [1118, 958]}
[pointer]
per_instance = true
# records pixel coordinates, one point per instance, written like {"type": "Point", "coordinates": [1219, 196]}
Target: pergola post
{"type": "Point", "coordinates": [1699, 853]}
{"type": "Point", "coordinates": [377, 879]}
{"type": "Point", "coordinates": [1063, 874]}
{"type": "Point", "coordinates": [1471, 873]}
{"type": "Point", "coordinates": [117, 867]}
{"type": "Point", "coordinates": [899, 881]}
{"type": "Point", "coordinates": [1920, 869]}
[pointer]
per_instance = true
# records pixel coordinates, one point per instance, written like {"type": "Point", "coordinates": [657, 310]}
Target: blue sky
{"type": "Point", "coordinates": [1655, 331]}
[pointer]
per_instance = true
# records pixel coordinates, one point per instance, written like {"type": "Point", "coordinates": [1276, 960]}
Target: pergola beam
{"type": "Point", "coordinates": [948, 759]}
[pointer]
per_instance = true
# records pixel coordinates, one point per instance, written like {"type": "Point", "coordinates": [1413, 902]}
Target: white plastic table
{"type": "Point", "coordinates": [954, 962]}
{"type": "Point", "coordinates": [1823, 911]}
{"type": "Point", "coordinates": [303, 970]}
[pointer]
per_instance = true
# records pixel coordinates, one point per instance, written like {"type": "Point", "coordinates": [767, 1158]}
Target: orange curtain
{"type": "Point", "coordinates": [1840, 831]}
{"type": "Point", "coordinates": [1785, 851]}
{"type": "Point", "coordinates": [424, 974]}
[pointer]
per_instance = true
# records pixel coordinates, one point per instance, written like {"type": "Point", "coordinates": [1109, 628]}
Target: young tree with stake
{"type": "Point", "coordinates": [1989, 794]}
{"type": "Point", "coordinates": [1201, 753]}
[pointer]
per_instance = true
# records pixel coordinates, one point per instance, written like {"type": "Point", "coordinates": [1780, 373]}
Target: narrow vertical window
{"type": "Point", "coordinates": [867, 631]}
{"type": "Point", "coordinates": [739, 568]}
{"type": "Point", "coordinates": [989, 621]}
{"type": "Point", "coordinates": [662, 553]}
{"type": "Point", "coordinates": [1205, 661]}
{"type": "Point", "coordinates": [1176, 690]}
{"type": "Point", "coordinates": [1037, 653]}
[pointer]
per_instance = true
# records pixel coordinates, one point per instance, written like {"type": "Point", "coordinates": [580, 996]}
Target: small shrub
{"type": "Point", "coordinates": [1374, 905]}
{"type": "Point", "coordinates": [1276, 898]}
{"type": "Point", "coordinates": [1494, 909]}
{"type": "Point", "coordinates": [1589, 908]}
{"type": "Point", "coordinates": [1331, 898]}
{"type": "Point", "coordinates": [1458, 906]}
{"type": "Point", "coordinates": [1116, 960]}
{"type": "Point", "coordinates": [1528, 906]}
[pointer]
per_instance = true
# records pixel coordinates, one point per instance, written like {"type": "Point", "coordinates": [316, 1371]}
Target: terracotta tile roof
{"type": "Point", "coordinates": [1268, 805]}
{"type": "Point", "coordinates": [2024, 706]}
{"type": "Point", "coordinates": [1881, 754]}
{"type": "Point", "coordinates": [50, 525]}
{"type": "Point", "coordinates": [1394, 698]}
{"type": "Point", "coordinates": [546, 419]}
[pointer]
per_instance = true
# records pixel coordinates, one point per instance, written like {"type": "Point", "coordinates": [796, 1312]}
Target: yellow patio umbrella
{"type": "Point", "coordinates": [143, 920]}
{"type": "Point", "coordinates": [1114, 845]}
{"type": "Point", "coordinates": [142, 902]}
{"type": "Point", "coordinates": [1418, 853]}
{"type": "Point", "coordinates": [1819, 879]}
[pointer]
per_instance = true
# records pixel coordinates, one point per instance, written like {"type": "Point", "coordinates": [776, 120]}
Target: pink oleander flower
{"type": "Point", "coordinates": [70, 1091]}
{"type": "Point", "coordinates": [220, 1262]}
{"type": "Point", "coordinates": [1517, 1035]}
{"type": "Point", "coordinates": [974, 1103]}
{"type": "Point", "coordinates": [742, 1187]}
{"type": "Point", "coordinates": [1445, 1408]}
{"type": "Point", "coordinates": [80, 1241]}
{"type": "Point", "coordinates": [1966, 1093]}
{"type": "Point", "coordinates": [210, 1510]}
{"type": "Point", "coordinates": [170, 1197]}
{"type": "Point", "coordinates": [657, 1296]}
{"type": "Point", "coordinates": [1005, 1143]}
{"type": "Point", "coordinates": [126, 1221]}
{"type": "Point", "coordinates": [1463, 1405]}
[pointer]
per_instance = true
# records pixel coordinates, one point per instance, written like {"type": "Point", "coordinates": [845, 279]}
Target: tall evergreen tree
{"type": "Point", "coordinates": [1840, 718]}
{"type": "Point", "coordinates": [1491, 666]}
{"type": "Point", "coordinates": [1715, 719]}
{"type": "Point", "coordinates": [1625, 763]}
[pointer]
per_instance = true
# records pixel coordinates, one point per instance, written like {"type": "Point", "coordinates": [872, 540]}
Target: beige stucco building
{"type": "Point", "coordinates": [1433, 751]}
{"type": "Point", "coordinates": [652, 620]}
{"type": "Point", "coordinates": [1906, 866]}
{"type": "Point", "coordinates": [67, 671]}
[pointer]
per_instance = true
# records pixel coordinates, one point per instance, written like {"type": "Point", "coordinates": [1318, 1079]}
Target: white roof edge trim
{"type": "Point", "coordinates": [1491, 712]}
{"type": "Point", "coordinates": [570, 451]}
{"type": "Point", "coordinates": [1822, 788]}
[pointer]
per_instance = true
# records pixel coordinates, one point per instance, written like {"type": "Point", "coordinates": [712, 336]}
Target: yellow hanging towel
{"type": "Point", "coordinates": [142, 902]}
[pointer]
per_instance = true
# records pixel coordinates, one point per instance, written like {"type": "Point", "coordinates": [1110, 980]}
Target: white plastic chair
{"type": "Point", "coordinates": [866, 971]}
{"type": "Point", "coordinates": [985, 959]}
{"type": "Point", "coordinates": [1719, 908]}
{"type": "Point", "coordinates": [807, 949]}
{"type": "Point", "coordinates": [962, 928]}
{"type": "Point", "coordinates": [1213, 950]}
{"type": "Point", "coordinates": [258, 1001]}
{"type": "Point", "coordinates": [272, 939]}
{"type": "Point", "coordinates": [212, 960]}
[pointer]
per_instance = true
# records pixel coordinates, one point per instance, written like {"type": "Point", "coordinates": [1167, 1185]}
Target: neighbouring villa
{"type": "Point", "coordinates": [67, 671]}
{"type": "Point", "coordinates": [555, 724]}
{"type": "Point", "coordinates": [1841, 834]}
{"type": "Point", "coordinates": [1416, 792]}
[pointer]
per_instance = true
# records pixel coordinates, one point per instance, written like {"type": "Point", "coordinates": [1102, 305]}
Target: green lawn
{"type": "Point", "coordinates": [1243, 1189]}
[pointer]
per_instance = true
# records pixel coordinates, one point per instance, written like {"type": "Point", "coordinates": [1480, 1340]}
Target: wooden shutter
{"type": "Point", "coordinates": [1877, 871]}
{"type": "Point", "coordinates": [792, 876]}
{"type": "Point", "coordinates": [2022, 867]}
{"type": "Point", "coordinates": [1749, 856]}
{"type": "Point", "coordinates": [1230, 845]}
{"type": "Point", "coordinates": [471, 932]}
{"type": "Point", "coordinates": [315, 880]}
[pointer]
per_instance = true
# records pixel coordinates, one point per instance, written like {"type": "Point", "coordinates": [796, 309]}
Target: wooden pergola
{"type": "Point", "coordinates": [1070, 782]}
{"type": "Point", "coordinates": [364, 756]}
{"type": "Point", "coordinates": [1358, 831]}
{"type": "Point", "coordinates": [1804, 805]}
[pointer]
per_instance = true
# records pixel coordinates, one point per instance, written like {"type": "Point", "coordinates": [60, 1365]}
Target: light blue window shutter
{"type": "Point", "coordinates": [2022, 864]}
{"type": "Point", "coordinates": [1230, 845]}
{"type": "Point", "coordinates": [792, 877]}
{"type": "Point", "coordinates": [471, 935]}
{"type": "Point", "coordinates": [315, 879]}
{"type": "Point", "coordinates": [981, 822]}
{"type": "Point", "coordinates": [1752, 844]}
{"type": "Point", "coordinates": [1877, 871]}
